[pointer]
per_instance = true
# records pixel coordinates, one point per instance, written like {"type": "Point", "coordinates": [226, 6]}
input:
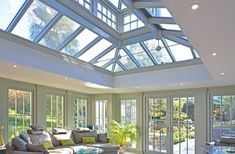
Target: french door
{"type": "Point", "coordinates": [171, 127]}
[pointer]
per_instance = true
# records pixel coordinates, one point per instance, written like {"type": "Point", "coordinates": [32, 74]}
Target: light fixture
{"type": "Point", "coordinates": [222, 73]}
{"type": "Point", "coordinates": [181, 83]}
{"type": "Point", "coordinates": [93, 85]}
{"type": "Point", "coordinates": [195, 6]}
{"type": "Point", "coordinates": [14, 66]}
{"type": "Point", "coordinates": [158, 48]}
{"type": "Point", "coordinates": [214, 54]}
{"type": "Point", "coordinates": [65, 78]}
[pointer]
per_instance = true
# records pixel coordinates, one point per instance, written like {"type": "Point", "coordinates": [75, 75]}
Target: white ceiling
{"type": "Point", "coordinates": [210, 29]}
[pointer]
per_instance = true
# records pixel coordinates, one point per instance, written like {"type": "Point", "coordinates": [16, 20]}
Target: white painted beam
{"type": "Point", "coordinates": [161, 20]}
{"type": "Point", "coordinates": [148, 4]}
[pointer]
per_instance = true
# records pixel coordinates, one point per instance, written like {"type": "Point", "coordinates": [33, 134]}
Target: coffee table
{"type": "Point", "coordinates": [89, 150]}
{"type": "Point", "coordinates": [218, 149]}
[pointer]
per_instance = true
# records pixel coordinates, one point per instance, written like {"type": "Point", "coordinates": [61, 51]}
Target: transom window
{"type": "Point", "coordinates": [101, 115]}
{"type": "Point", "coordinates": [54, 111]}
{"type": "Point", "coordinates": [80, 113]}
{"type": "Point", "coordinates": [85, 3]}
{"type": "Point", "coordinates": [132, 22]}
{"type": "Point", "coordinates": [19, 111]}
{"type": "Point", "coordinates": [107, 16]}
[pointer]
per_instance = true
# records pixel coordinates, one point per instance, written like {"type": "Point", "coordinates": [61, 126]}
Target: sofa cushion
{"type": "Point", "coordinates": [103, 138]}
{"type": "Point", "coordinates": [36, 139]}
{"type": "Point", "coordinates": [66, 142]}
{"type": "Point", "coordinates": [55, 138]}
{"type": "Point", "coordinates": [47, 144]}
{"type": "Point", "coordinates": [77, 135]}
{"type": "Point", "coordinates": [19, 144]}
{"type": "Point", "coordinates": [36, 148]}
{"type": "Point", "coordinates": [24, 135]}
{"type": "Point", "coordinates": [88, 140]}
{"type": "Point", "coordinates": [227, 139]}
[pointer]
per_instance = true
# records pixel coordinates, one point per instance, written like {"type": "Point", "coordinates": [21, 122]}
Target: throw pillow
{"type": "Point", "coordinates": [36, 139]}
{"type": "Point", "coordinates": [228, 140]}
{"type": "Point", "coordinates": [47, 144]}
{"type": "Point", "coordinates": [66, 142]}
{"type": "Point", "coordinates": [36, 148]}
{"type": "Point", "coordinates": [24, 135]}
{"type": "Point", "coordinates": [59, 131]}
{"type": "Point", "coordinates": [55, 138]}
{"type": "Point", "coordinates": [88, 140]}
{"type": "Point", "coordinates": [19, 144]}
{"type": "Point", "coordinates": [103, 138]}
{"type": "Point", "coordinates": [37, 127]}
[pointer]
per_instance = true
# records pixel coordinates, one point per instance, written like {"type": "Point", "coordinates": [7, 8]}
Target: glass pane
{"type": "Point", "coordinates": [8, 10]}
{"type": "Point", "coordinates": [101, 115]}
{"type": "Point", "coordinates": [19, 111]}
{"type": "Point", "coordinates": [36, 17]}
{"type": "Point", "coordinates": [118, 68]}
{"type": "Point", "coordinates": [170, 27]}
{"type": "Point", "coordinates": [157, 135]}
{"type": "Point", "coordinates": [140, 55]}
{"type": "Point", "coordinates": [161, 56]}
{"type": "Point", "coordinates": [126, 61]}
{"type": "Point", "coordinates": [79, 42]}
{"type": "Point", "coordinates": [64, 28]}
{"type": "Point", "coordinates": [115, 2]}
{"type": "Point", "coordinates": [123, 6]}
{"type": "Point", "coordinates": [159, 12]}
{"type": "Point", "coordinates": [181, 52]}
{"type": "Point", "coordinates": [95, 50]}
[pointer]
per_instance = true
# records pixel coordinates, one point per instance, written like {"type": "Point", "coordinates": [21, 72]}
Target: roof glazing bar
{"type": "Point", "coordinates": [48, 27]}
{"type": "Point", "coordinates": [19, 15]}
{"type": "Point", "coordinates": [70, 38]}
{"type": "Point", "coordinates": [121, 65]}
{"type": "Point", "coordinates": [108, 63]}
{"type": "Point", "coordinates": [115, 58]}
{"type": "Point", "coordinates": [179, 40]}
{"type": "Point", "coordinates": [88, 47]}
{"type": "Point", "coordinates": [168, 50]}
{"type": "Point", "coordinates": [131, 57]}
{"type": "Point", "coordinates": [148, 4]}
{"type": "Point", "coordinates": [95, 59]}
{"type": "Point", "coordinates": [148, 53]}
{"type": "Point", "coordinates": [193, 53]}
{"type": "Point", "coordinates": [172, 33]}
{"type": "Point", "coordinates": [161, 20]}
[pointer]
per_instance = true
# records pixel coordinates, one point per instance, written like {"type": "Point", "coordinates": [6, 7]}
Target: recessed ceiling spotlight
{"type": "Point", "coordinates": [222, 73]}
{"type": "Point", "coordinates": [214, 54]}
{"type": "Point", "coordinates": [195, 6]}
{"type": "Point", "coordinates": [66, 79]}
{"type": "Point", "coordinates": [14, 66]}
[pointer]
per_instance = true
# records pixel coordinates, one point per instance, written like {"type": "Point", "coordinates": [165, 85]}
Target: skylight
{"type": "Point", "coordinates": [79, 36]}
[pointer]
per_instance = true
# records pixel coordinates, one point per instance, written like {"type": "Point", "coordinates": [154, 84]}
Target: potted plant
{"type": "Point", "coordinates": [122, 134]}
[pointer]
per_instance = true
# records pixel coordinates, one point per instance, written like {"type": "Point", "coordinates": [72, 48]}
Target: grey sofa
{"type": "Point", "coordinates": [59, 149]}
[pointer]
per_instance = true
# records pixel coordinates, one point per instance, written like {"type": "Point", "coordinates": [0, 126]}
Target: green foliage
{"type": "Point", "coordinates": [122, 134]}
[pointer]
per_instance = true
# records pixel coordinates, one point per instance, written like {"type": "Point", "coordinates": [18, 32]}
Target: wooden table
{"type": "Point", "coordinates": [211, 149]}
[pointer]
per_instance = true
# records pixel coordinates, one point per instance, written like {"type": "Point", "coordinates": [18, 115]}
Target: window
{"type": "Point", "coordinates": [19, 111]}
{"type": "Point", "coordinates": [101, 115]}
{"type": "Point", "coordinates": [54, 111]}
{"type": "Point", "coordinates": [128, 111]}
{"type": "Point", "coordinates": [132, 22]}
{"type": "Point", "coordinates": [107, 16]}
{"type": "Point", "coordinates": [223, 116]}
{"type": "Point", "coordinates": [80, 113]}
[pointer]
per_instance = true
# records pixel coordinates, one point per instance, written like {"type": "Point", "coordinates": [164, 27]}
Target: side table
{"type": "Point", "coordinates": [2, 150]}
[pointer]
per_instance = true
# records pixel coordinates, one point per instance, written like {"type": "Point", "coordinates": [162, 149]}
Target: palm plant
{"type": "Point", "coordinates": [122, 134]}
